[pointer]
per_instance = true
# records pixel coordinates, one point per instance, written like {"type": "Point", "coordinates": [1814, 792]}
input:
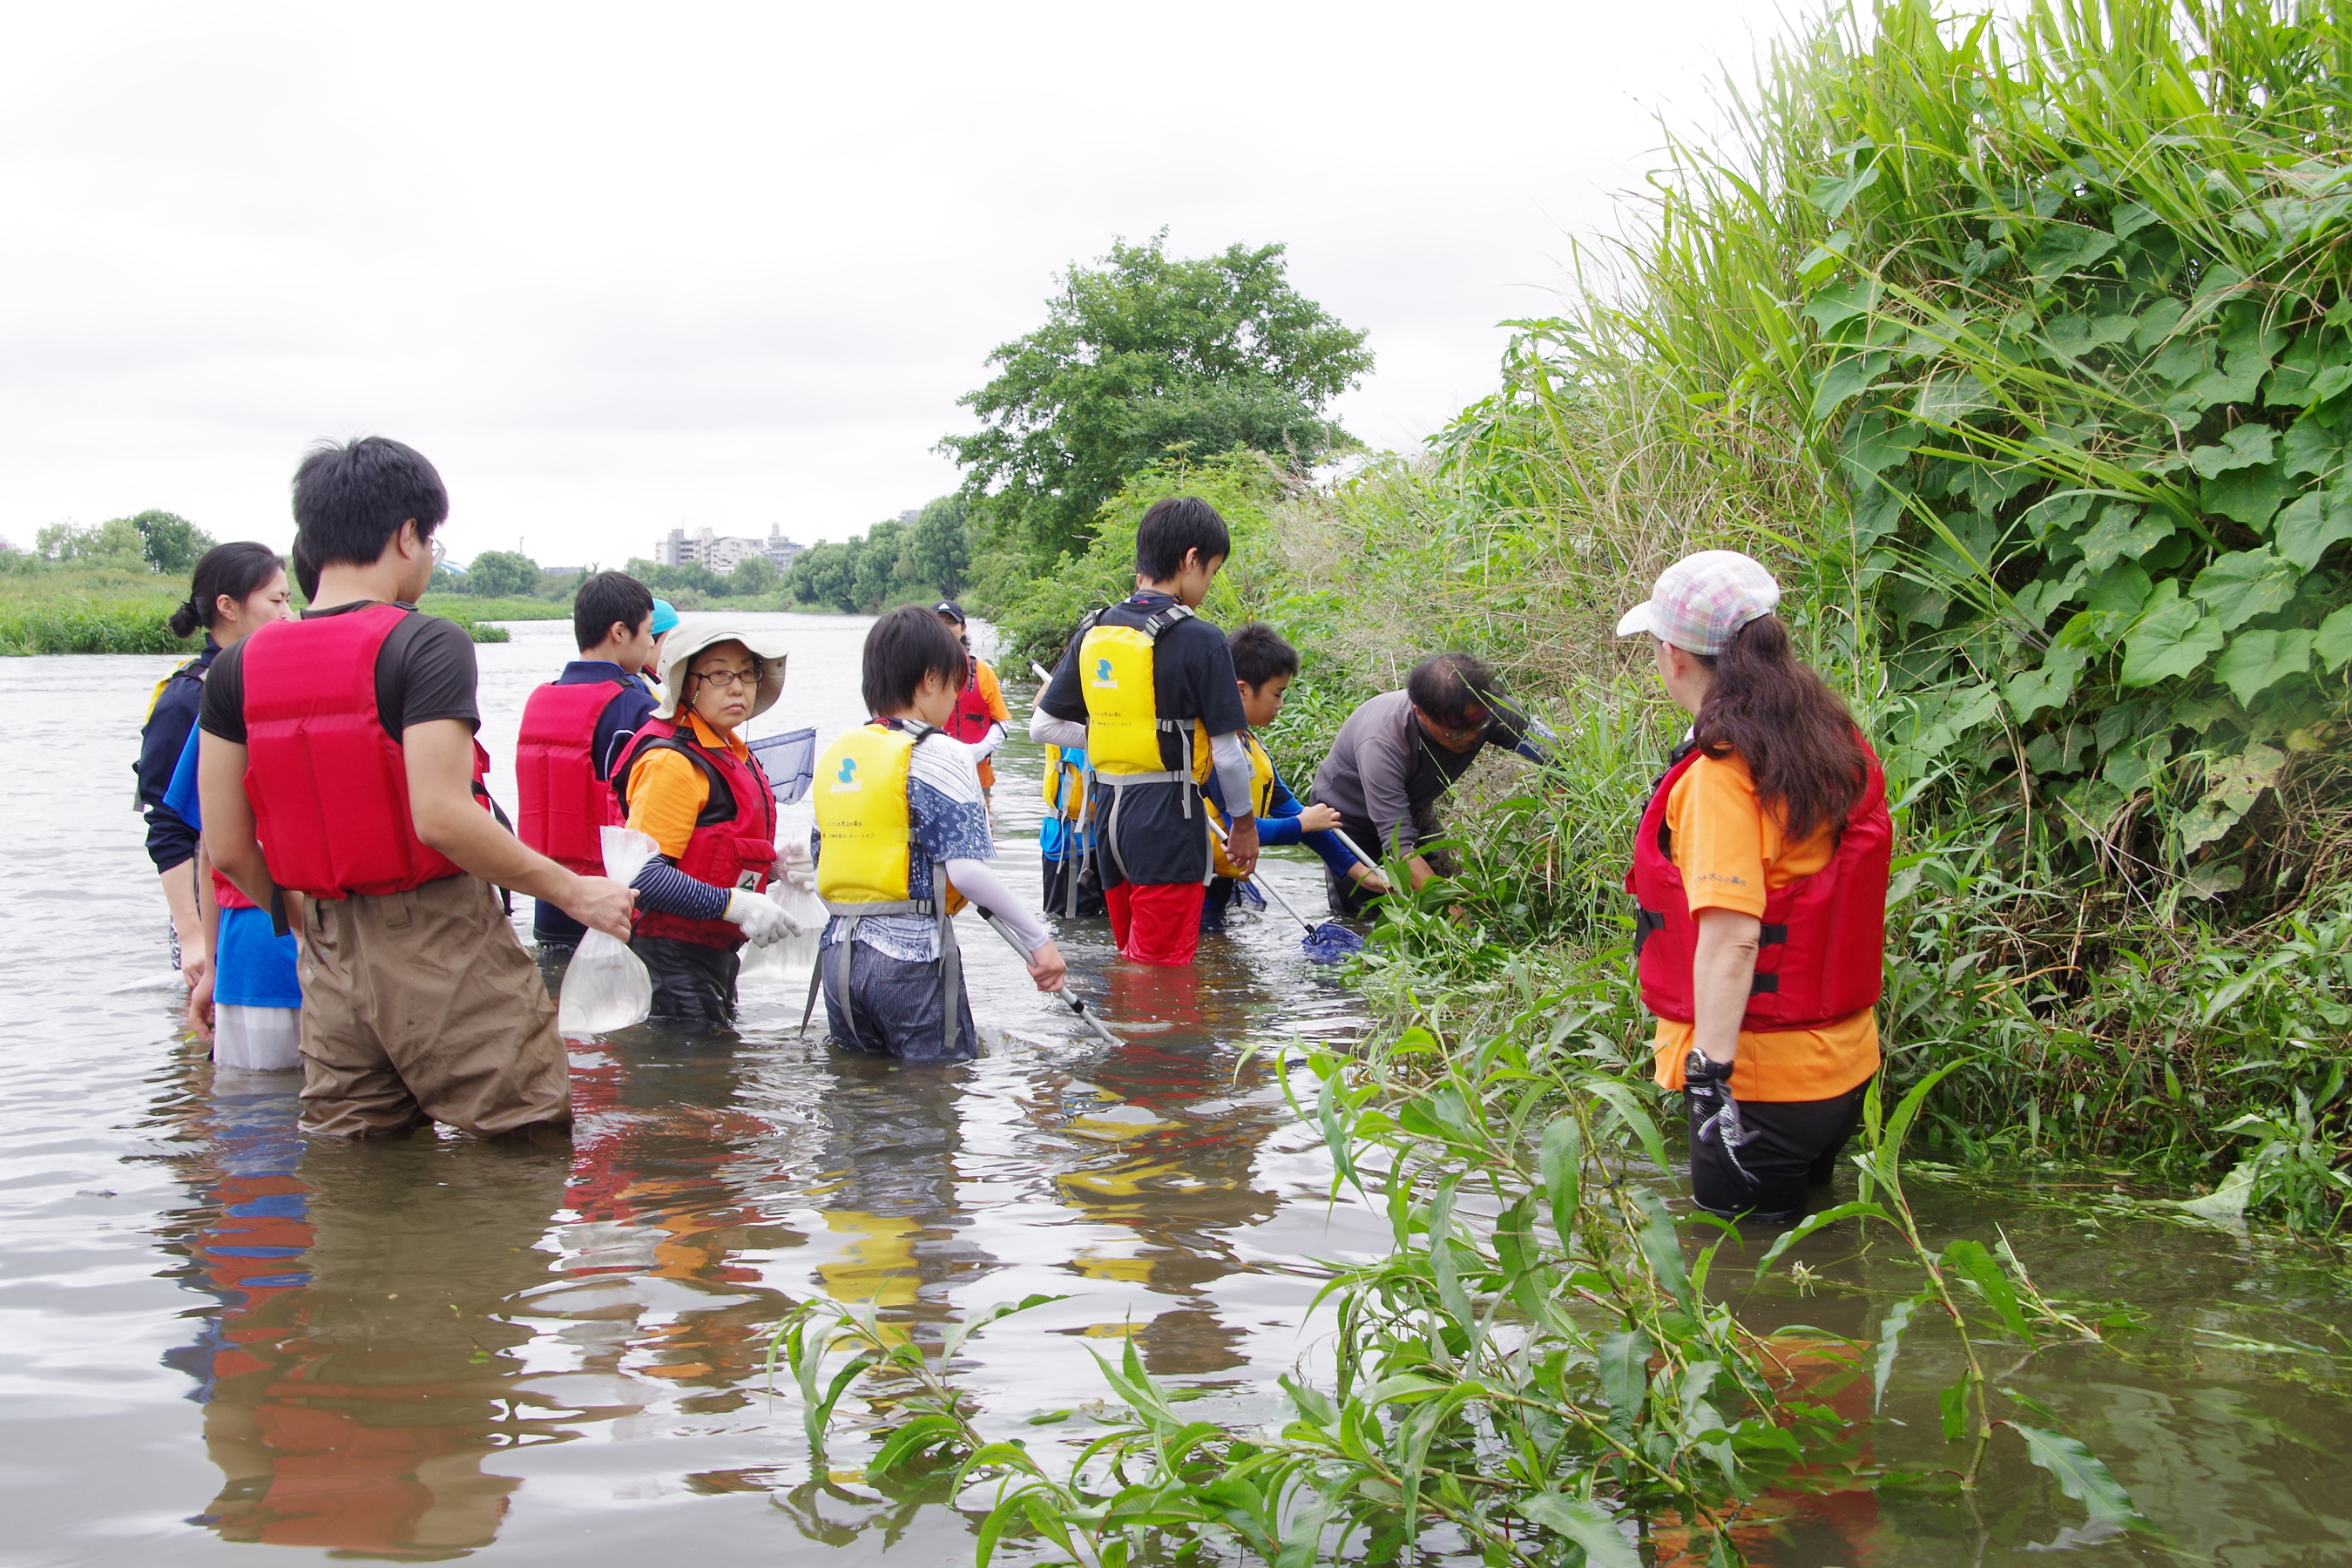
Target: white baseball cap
{"type": "Point", "coordinates": [1701, 600]}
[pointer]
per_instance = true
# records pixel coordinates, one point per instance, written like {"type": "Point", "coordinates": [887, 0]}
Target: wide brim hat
{"type": "Point", "coordinates": [699, 634]}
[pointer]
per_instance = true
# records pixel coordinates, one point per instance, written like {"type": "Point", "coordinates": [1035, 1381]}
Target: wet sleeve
{"type": "Point", "coordinates": [224, 698]}
{"type": "Point", "coordinates": [1718, 837]}
{"type": "Point", "coordinates": [666, 793]}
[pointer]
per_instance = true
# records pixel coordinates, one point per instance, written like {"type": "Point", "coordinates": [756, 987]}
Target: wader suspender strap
{"type": "Point", "coordinates": [950, 963]}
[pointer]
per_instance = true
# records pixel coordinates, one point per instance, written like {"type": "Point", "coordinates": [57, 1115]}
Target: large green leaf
{"type": "Point", "coordinates": [2333, 643]}
{"type": "Point", "coordinates": [2312, 521]}
{"type": "Point", "coordinates": [2080, 1475]}
{"type": "Point", "coordinates": [2123, 531]}
{"type": "Point", "coordinates": [2172, 641]}
{"type": "Point", "coordinates": [2242, 448]}
{"type": "Point", "coordinates": [2312, 448]}
{"type": "Point", "coordinates": [1947, 399]}
{"type": "Point", "coordinates": [2256, 661]}
{"type": "Point", "coordinates": [2048, 687]}
{"type": "Point", "coordinates": [2246, 584]}
{"type": "Point", "coordinates": [2066, 247]}
{"type": "Point", "coordinates": [1585, 1524]}
{"type": "Point", "coordinates": [2249, 495]}
{"type": "Point", "coordinates": [1846, 377]}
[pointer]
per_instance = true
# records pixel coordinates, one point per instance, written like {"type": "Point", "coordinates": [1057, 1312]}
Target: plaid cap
{"type": "Point", "coordinates": [1701, 600]}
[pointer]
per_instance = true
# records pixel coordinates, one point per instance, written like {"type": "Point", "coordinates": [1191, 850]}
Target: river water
{"type": "Point", "coordinates": [219, 1339]}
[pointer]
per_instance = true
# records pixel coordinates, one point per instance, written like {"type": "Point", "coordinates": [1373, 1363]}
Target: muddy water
{"type": "Point", "coordinates": [215, 1337]}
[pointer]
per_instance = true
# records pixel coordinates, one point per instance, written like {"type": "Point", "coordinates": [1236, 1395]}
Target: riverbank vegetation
{"type": "Point", "coordinates": [118, 606]}
{"type": "Point", "coordinates": [2022, 351]}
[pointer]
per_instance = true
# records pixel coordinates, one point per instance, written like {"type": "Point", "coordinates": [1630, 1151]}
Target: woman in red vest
{"type": "Point", "coordinates": [1760, 870]}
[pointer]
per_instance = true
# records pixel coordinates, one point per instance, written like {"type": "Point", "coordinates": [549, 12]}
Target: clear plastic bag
{"type": "Point", "coordinates": [606, 986]}
{"type": "Point", "coordinates": [788, 962]}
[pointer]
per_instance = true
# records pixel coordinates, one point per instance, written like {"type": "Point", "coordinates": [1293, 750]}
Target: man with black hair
{"type": "Point", "coordinates": [1145, 682]}
{"type": "Point", "coordinates": [341, 788]}
{"type": "Point", "coordinates": [574, 729]}
{"type": "Point", "coordinates": [1400, 752]}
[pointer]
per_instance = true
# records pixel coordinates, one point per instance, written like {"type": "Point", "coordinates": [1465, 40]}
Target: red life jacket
{"type": "Point", "coordinates": [224, 894]}
{"type": "Point", "coordinates": [565, 804]}
{"type": "Point", "coordinates": [1825, 936]}
{"type": "Point", "coordinates": [734, 841]}
{"type": "Point", "coordinates": [329, 787]}
{"type": "Point", "coordinates": [970, 720]}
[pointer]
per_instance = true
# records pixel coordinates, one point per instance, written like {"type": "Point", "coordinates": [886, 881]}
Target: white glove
{"type": "Point", "coordinates": [761, 918]}
{"type": "Point", "coordinates": [799, 870]}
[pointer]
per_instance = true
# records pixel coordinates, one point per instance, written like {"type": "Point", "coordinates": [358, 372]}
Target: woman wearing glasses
{"type": "Point", "coordinates": [692, 786]}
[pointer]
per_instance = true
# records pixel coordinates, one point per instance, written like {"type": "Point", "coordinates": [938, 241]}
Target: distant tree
{"type": "Point", "coordinates": [448, 580]}
{"type": "Point", "coordinates": [692, 577]}
{"type": "Point", "coordinates": [754, 577]}
{"type": "Point", "coordinates": [170, 542]}
{"type": "Point", "coordinates": [877, 567]}
{"type": "Point", "coordinates": [114, 542]}
{"type": "Point", "coordinates": [825, 576]}
{"type": "Point", "coordinates": [1145, 355]}
{"type": "Point", "coordinates": [502, 574]}
{"type": "Point", "coordinates": [935, 556]}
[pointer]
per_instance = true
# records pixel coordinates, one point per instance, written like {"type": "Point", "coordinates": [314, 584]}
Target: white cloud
{"type": "Point", "coordinates": [619, 269]}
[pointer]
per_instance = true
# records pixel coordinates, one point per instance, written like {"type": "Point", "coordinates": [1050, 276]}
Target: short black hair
{"type": "Point", "coordinates": [1452, 687]}
{"type": "Point", "coordinates": [605, 599]}
{"type": "Point", "coordinates": [306, 574]}
{"type": "Point", "coordinates": [239, 570]}
{"type": "Point", "coordinates": [1174, 528]}
{"type": "Point", "coordinates": [1260, 654]}
{"type": "Point", "coordinates": [351, 498]}
{"type": "Point", "coordinates": [902, 647]}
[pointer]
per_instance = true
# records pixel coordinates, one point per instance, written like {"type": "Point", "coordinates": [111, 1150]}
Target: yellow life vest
{"type": "Point", "coordinates": [860, 793]}
{"type": "Point", "coordinates": [1123, 721]}
{"type": "Point", "coordinates": [1065, 783]}
{"type": "Point", "coordinates": [1261, 791]}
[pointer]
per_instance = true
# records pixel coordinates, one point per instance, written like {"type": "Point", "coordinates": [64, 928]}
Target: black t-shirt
{"type": "Point", "coordinates": [424, 671]}
{"type": "Point", "coordinates": [1151, 841]}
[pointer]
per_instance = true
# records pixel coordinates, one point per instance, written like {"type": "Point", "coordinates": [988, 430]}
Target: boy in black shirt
{"type": "Point", "coordinates": [1144, 684]}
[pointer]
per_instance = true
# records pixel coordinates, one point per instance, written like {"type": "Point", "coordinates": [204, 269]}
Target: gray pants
{"type": "Point", "coordinates": [895, 1007]}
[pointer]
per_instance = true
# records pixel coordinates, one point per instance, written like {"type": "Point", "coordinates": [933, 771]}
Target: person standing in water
{"type": "Point", "coordinates": [980, 715]}
{"type": "Point", "coordinates": [903, 839]}
{"type": "Point", "coordinates": [1142, 680]}
{"type": "Point", "coordinates": [341, 789]}
{"type": "Point", "coordinates": [574, 728]}
{"type": "Point", "coordinates": [246, 998]}
{"type": "Point", "coordinates": [235, 588]}
{"type": "Point", "coordinates": [1760, 871]}
{"type": "Point", "coordinates": [695, 788]}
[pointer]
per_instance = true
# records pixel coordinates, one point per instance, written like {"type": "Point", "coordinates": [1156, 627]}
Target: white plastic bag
{"type": "Point", "coordinates": [787, 961]}
{"type": "Point", "coordinates": [606, 986]}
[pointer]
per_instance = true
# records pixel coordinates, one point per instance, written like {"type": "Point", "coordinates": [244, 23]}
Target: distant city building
{"type": "Point", "coordinates": [910, 514]}
{"type": "Point", "coordinates": [721, 551]}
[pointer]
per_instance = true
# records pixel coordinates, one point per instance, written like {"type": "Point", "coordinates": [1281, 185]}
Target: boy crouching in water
{"type": "Point", "coordinates": [902, 830]}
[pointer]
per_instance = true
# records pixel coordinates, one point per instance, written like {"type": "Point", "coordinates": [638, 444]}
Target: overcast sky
{"type": "Point", "coordinates": [619, 269]}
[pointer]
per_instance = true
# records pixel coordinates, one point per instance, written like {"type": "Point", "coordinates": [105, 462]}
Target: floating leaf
{"type": "Point", "coordinates": [2313, 521]}
{"type": "Point", "coordinates": [2246, 584]}
{"type": "Point", "coordinates": [2174, 640]}
{"type": "Point", "coordinates": [1587, 1524]}
{"type": "Point", "coordinates": [2256, 661]}
{"type": "Point", "coordinates": [2080, 1475]}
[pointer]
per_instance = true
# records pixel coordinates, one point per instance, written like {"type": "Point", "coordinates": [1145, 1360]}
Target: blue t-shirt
{"type": "Point", "coordinates": [255, 966]}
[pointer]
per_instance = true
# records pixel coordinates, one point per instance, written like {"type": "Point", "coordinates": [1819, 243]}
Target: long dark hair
{"type": "Point", "coordinates": [239, 570]}
{"type": "Point", "coordinates": [1793, 732]}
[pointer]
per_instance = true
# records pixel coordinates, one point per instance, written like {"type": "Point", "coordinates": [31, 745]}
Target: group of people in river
{"type": "Point", "coordinates": [335, 866]}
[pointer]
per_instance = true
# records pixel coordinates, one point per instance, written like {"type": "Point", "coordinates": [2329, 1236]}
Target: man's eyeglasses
{"type": "Point", "coordinates": [730, 677]}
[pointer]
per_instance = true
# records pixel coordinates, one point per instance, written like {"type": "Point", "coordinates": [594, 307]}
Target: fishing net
{"type": "Point", "coordinates": [1331, 943]}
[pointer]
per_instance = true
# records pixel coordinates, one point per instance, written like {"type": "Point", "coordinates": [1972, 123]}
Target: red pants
{"type": "Point", "coordinates": [1156, 922]}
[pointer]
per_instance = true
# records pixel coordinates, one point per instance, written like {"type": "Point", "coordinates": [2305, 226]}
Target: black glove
{"type": "Point", "coordinates": [1706, 1092]}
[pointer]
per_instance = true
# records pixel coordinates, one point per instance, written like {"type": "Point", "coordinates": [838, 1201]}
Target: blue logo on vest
{"type": "Point", "coordinates": [1102, 673]}
{"type": "Point", "coordinates": [847, 776]}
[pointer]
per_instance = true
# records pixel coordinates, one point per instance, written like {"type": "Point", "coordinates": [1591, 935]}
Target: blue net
{"type": "Point", "coordinates": [1331, 943]}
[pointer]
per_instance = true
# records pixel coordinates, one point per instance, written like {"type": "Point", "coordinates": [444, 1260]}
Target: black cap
{"type": "Point", "coordinates": [950, 609]}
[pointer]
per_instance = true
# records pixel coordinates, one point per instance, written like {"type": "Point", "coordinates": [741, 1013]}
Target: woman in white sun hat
{"type": "Point", "coordinates": [691, 785]}
{"type": "Point", "coordinates": [1760, 871]}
